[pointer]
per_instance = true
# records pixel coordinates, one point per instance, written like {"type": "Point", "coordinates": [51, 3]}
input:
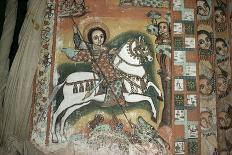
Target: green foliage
{"type": "Point", "coordinates": [96, 106]}
{"type": "Point", "coordinates": [64, 70]}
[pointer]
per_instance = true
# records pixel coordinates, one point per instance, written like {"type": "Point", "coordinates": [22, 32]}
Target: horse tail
{"type": "Point", "coordinates": [54, 92]}
{"type": "Point", "coordinates": [157, 90]}
{"type": "Point", "coordinates": [49, 100]}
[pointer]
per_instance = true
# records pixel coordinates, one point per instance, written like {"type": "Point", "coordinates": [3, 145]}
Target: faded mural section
{"type": "Point", "coordinates": [134, 77]}
{"type": "Point", "coordinates": [207, 84]}
{"type": "Point", "coordinates": [223, 75]}
{"type": "Point", "coordinates": [102, 76]}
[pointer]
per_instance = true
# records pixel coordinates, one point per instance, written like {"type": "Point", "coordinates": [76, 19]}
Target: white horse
{"type": "Point", "coordinates": [130, 67]}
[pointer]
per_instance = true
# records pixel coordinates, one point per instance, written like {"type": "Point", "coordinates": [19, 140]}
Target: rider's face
{"type": "Point", "coordinates": [98, 37]}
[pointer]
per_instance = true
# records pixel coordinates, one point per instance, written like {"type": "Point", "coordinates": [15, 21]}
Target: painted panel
{"type": "Point", "coordinates": [104, 77]}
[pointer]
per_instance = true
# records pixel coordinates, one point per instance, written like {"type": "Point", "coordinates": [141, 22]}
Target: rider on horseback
{"type": "Point", "coordinates": [95, 52]}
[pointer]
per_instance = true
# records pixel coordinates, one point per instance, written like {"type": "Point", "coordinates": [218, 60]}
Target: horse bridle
{"type": "Point", "coordinates": [130, 51]}
{"type": "Point", "coordinates": [134, 52]}
{"type": "Point", "coordinates": [122, 60]}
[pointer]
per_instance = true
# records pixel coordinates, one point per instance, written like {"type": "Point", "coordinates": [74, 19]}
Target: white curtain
{"type": "Point", "coordinates": [5, 43]}
{"type": "Point", "coordinates": [17, 85]}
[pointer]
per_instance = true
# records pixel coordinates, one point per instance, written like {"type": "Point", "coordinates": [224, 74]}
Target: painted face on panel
{"type": "Point", "coordinates": [163, 28]}
{"type": "Point", "coordinates": [220, 16]}
{"type": "Point", "coordinates": [221, 47]}
{"type": "Point", "coordinates": [224, 65]}
{"type": "Point", "coordinates": [206, 119]}
{"type": "Point", "coordinates": [204, 41]}
{"type": "Point", "coordinates": [98, 37]}
{"type": "Point", "coordinates": [222, 84]}
{"type": "Point", "coordinates": [203, 8]}
{"type": "Point", "coordinates": [206, 87]}
{"type": "Point", "coordinates": [224, 120]}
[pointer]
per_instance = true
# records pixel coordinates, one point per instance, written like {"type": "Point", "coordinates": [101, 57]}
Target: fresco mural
{"type": "Point", "coordinates": [134, 77]}
{"type": "Point", "coordinates": [106, 91]}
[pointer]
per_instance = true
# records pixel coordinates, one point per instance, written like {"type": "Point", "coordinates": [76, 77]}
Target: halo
{"type": "Point", "coordinates": [92, 25]}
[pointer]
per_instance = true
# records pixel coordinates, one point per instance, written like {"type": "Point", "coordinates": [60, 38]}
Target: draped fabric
{"type": "Point", "coordinates": [5, 43]}
{"type": "Point", "coordinates": [17, 86]}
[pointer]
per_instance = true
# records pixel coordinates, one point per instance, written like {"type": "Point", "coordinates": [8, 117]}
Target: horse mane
{"type": "Point", "coordinates": [120, 40]}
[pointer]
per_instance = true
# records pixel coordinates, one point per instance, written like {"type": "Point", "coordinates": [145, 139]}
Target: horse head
{"type": "Point", "coordinates": [139, 49]}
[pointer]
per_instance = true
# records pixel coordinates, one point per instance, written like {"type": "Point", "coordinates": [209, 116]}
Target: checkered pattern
{"type": "Point", "coordinates": [150, 3]}
{"type": "Point", "coordinates": [102, 65]}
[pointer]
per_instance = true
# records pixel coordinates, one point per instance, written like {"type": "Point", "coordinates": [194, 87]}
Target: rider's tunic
{"type": "Point", "coordinates": [100, 64]}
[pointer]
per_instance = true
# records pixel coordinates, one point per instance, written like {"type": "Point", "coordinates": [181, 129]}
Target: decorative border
{"type": "Point", "coordinates": [185, 71]}
{"type": "Point", "coordinates": [223, 71]}
{"type": "Point", "coordinates": [39, 122]}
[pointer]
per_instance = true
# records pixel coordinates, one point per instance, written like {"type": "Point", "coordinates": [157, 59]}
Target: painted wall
{"type": "Point", "coordinates": [134, 76]}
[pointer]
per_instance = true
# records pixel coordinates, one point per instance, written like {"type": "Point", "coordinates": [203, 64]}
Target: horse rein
{"type": "Point", "coordinates": [122, 60]}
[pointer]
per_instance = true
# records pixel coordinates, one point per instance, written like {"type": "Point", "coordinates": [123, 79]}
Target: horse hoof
{"type": "Point", "coordinates": [153, 119]}
{"type": "Point", "coordinates": [63, 139]}
{"type": "Point", "coordinates": [54, 139]}
{"type": "Point", "coordinates": [160, 98]}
